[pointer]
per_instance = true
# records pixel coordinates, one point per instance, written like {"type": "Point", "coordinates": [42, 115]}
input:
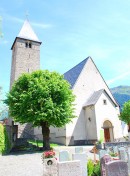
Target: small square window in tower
{"type": "Point", "coordinates": [105, 102]}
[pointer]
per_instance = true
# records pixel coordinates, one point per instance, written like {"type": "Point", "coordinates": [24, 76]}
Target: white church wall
{"type": "Point", "coordinates": [91, 128]}
{"type": "Point", "coordinates": [57, 135]}
{"type": "Point", "coordinates": [125, 129]}
{"type": "Point", "coordinates": [77, 127]}
{"type": "Point", "coordinates": [108, 112]}
{"type": "Point", "coordinates": [89, 81]}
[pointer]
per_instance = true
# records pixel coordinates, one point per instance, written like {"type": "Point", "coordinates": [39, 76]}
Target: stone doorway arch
{"type": "Point", "coordinates": [108, 131]}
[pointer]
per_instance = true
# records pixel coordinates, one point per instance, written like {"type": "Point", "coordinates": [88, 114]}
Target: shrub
{"type": "Point", "coordinates": [93, 169]}
{"type": "Point", "coordinates": [90, 166]}
{"type": "Point", "coordinates": [97, 170]}
{"type": "Point", "coordinates": [5, 145]}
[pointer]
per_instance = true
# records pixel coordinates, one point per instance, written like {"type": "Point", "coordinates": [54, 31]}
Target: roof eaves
{"type": "Point", "coordinates": [26, 40]}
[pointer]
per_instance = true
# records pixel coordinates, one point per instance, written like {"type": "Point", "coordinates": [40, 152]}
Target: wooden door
{"type": "Point", "coordinates": [107, 135]}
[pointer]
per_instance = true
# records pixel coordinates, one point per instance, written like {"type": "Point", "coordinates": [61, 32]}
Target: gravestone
{"type": "Point", "coordinates": [64, 155]}
{"type": "Point", "coordinates": [108, 150]}
{"type": "Point", "coordinates": [105, 159]}
{"type": "Point", "coordinates": [102, 153]}
{"type": "Point", "coordinates": [128, 155]}
{"type": "Point", "coordinates": [78, 149]}
{"type": "Point", "coordinates": [83, 160]}
{"type": "Point", "coordinates": [69, 168]}
{"type": "Point", "coordinates": [115, 149]}
{"type": "Point", "coordinates": [50, 167]}
{"type": "Point", "coordinates": [116, 168]}
{"type": "Point", "coordinates": [122, 154]}
{"type": "Point", "coordinates": [128, 148]}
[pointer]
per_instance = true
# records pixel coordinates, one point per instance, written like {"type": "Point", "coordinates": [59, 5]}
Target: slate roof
{"type": "Point", "coordinates": [72, 75]}
{"type": "Point", "coordinates": [95, 96]}
{"type": "Point", "coordinates": [27, 32]}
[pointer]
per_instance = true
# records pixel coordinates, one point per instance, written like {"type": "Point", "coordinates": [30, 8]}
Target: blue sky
{"type": "Point", "coordinates": [70, 31]}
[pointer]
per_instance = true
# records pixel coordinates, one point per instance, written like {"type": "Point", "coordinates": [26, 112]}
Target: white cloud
{"type": "Point", "coordinates": [19, 20]}
{"type": "Point", "coordinates": [3, 42]}
{"type": "Point", "coordinates": [41, 25]}
{"type": "Point", "coordinates": [119, 77]}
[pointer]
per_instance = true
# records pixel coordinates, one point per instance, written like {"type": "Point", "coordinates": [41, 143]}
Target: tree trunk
{"type": "Point", "coordinates": [129, 131]}
{"type": "Point", "coordinates": [45, 133]}
{"type": "Point", "coordinates": [128, 127]}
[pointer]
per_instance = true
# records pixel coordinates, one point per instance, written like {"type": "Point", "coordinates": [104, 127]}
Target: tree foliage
{"type": "Point", "coordinates": [43, 98]}
{"type": "Point", "coordinates": [125, 114]}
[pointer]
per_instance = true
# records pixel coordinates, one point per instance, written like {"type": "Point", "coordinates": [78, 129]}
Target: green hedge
{"type": "Point", "coordinates": [5, 144]}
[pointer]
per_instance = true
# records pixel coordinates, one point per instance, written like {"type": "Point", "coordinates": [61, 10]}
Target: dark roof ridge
{"type": "Point", "coordinates": [78, 64]}
{"type": "Point", "coordinates": [72, 75]}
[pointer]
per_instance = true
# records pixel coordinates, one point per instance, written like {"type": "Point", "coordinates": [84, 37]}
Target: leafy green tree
{"type": "Point", "coordinates": [43, 98]}
{"type": "Point", "coordinates": [125, 114]}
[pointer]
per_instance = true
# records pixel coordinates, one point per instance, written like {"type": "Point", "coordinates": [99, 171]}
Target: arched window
{"type": "Point", "coordinates": [30, 45]}
{"type": "Point", "coordinates": [26, 44]}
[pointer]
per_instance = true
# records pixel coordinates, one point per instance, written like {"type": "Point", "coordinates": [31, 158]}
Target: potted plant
{"type": "Point", "coordinates": [48, 157]}
{"type": "Point", "coordinates": [49, 162]}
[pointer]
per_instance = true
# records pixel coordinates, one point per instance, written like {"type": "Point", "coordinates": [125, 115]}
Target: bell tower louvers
{"type": "Point", "coordinates": [25, 52]}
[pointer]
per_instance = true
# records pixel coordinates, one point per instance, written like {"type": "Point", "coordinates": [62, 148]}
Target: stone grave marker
{"type": "Point", "coordinates": [78, 149]}
{"type": "Point", "coordinates": [128, 155]}
{"type": "Point", "coordinates": [102, 153]}
{"type": "Point", "coordinates": [122, 154]}
{"type": "Point", "coordinates": [128, 148]}
{"type": "Point", "coordinates": [83, 160]}
{"type": "Point", "coordinates": [64, 155]}
{"type": "Point", "coordinates": [50, 167]}
{"type": "Point", "coordinates": [105, 159]}
{"type": "Point", "coordinates": [108, 150]}
{"type": "Point", "coordinates": [69, 168]}
{"type": "Point", "coordinates": [116, 168]}
{"type": "Point", "coordinates": [115, 149]}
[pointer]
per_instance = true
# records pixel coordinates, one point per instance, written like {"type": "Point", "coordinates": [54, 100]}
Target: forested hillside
{"type": "Point", "coordinates": [121, 94]}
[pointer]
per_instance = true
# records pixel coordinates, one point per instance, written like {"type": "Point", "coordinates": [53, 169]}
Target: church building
{"type": "Point", "coordinates": [95, 107]}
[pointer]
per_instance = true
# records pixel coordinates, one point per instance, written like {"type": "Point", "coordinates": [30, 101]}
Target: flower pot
{"type": "Point", "coordinates": [98, 146]}
{"type": "Point", "coordinates": [50, 167]}
{"type": "Point", "coordinates": [49, 161]}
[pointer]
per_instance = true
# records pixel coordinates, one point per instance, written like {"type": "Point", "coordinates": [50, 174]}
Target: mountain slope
{"type": "Point", "coordinates": [121, 94]}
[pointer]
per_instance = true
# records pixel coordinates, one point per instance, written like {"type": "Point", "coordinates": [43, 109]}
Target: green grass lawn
{"type": "Point", "coordinates": [40, 143]}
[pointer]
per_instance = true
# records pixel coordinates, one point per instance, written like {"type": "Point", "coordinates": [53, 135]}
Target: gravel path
{"type": "Point", "coordinates": [29, 164]}
{"type": "Point", "coordinates": [21, 165]}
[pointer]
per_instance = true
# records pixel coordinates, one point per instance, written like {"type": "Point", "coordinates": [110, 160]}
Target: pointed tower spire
{"type": "Point", "coordinates": [27, 32]}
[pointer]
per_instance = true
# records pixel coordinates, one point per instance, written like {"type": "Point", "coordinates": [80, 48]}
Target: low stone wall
{"type": "Point", "coordinates": [84, 142]}
{"type": "Point", "coordinates": [118, 144]}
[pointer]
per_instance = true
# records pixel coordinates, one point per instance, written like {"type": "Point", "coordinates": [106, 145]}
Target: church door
{"type": "Point", "coordinates": [107, 135]}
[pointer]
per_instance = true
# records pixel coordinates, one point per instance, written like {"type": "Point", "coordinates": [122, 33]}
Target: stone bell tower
{"type": "Point", "coordinates": [25, 52]}
{"type": "Point", "coordinates": [25, 59]}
